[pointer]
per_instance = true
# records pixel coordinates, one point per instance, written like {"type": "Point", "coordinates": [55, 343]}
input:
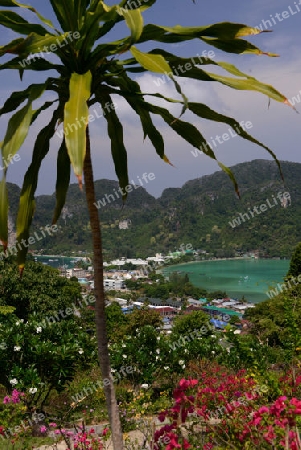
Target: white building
{"type": "Point", "coordinates": [112, 283]}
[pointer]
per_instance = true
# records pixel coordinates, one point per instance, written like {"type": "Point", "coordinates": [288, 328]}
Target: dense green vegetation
{"type": "Point", "coordinates": [198, 213]}
{"type": "Point", "coordinates": [64, 384]}
{"type": "Point", "coordinates": [177, 286]}
{"type": "Point", "coordinates": [43, 330]}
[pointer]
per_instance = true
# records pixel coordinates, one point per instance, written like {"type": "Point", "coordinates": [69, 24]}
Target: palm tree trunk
{"type": "Point", "coordinates": [102, 340]}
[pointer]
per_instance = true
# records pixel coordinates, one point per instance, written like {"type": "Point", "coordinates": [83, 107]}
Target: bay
{"type": "Point", "coordinates": [57, 261]}
{"type": "Point", "coordinates": [248, 277]}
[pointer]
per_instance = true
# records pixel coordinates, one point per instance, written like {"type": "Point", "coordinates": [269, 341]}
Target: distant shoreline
{"type": "Point", "coordinates": [211, 260]}
{"type": "Point", "coordinates": [262, 274]}
{"type": "Point", "coordinates": [234, 258]}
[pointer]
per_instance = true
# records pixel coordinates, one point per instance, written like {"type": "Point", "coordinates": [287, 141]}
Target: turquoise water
{"type": "Point", "coordinates": [57, 261]}
{"type": "Point", "coordinates": [249, 277]}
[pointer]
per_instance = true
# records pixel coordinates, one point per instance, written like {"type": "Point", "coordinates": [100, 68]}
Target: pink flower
{"type": "Point", "coordinates": [53, 424]}
{"type": "Point", "coordinates": [263, 410]}
{"type": "Point", "coordinates": [43, 429]}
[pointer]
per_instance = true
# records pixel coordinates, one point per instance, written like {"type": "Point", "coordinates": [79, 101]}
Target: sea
{"type": "Point", "coordinates": [57, 261]}
{"type": "Point", "coordinates": [250, 277]}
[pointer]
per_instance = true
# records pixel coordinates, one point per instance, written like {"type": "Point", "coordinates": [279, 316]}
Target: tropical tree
{"type": "Point", "coordinates": [295, 264]}
{"type": "Point", "coordinates": [88, 72]}
{"type": "Point", "coordinates": [40, 291]}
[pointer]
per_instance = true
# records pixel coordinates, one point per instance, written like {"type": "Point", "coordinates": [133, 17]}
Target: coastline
{"type": "Point", "coordinates": [211, 260]}
{"type": "Point", "coordinates": [240, 278]}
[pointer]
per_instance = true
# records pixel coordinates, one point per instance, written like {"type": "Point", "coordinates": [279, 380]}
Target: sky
{"type": "Point", "coordinates": [276, 125]}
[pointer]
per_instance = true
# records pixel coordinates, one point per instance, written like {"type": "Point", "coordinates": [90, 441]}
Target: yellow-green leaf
{"type": "Point", "coordinates": [19, 124]}
{"type": "Point", "coordinates": [17, 131]}
{"type": "Point", "coordinates": [134, 21]}
{"type": "Point", "coordinates": [35, 44]}
{"type": "Point", "coordinates": [14, 3]}
{"type": "Point", "coordinates": [27, 203]}
{"type": "Point", "coordinates": [154, 63]}
{"type": "Point", "coordinates": [76, 119]}
{"type": "Point", "coordinates": [3, 213]}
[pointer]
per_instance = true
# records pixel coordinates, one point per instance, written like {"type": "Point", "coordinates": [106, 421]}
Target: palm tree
{"type": "Point", "coordinates": [88, 73]}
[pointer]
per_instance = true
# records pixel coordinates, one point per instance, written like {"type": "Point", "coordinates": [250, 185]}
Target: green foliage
{"type": "Point", "coordinates": [277, 322]}
{"type": "Point", "coordinates": [295, 263]}
{"type": "Point", "coordinates": [140, 318]}
{"type": "Point", "coordinates": [184, 324]}
{"type": "Point", "coordinates": [41, 346]}
{"type": "Point", "coordinates": [11, 414]}
{"type": "Point", "coordinates": [137, 351]}
{"type": "Point", "coordinates": [198, 206]}
{"type": "Point", "coordinates": [41, 290]}
{"type": "Point", "coordinates": [42, 357]}
{"type": "Point", "coordinates": [157, 291]}
{"type": "Point", "coordinates": [115, 321]}
{"type": "Point", "coordinates": [7, 309]}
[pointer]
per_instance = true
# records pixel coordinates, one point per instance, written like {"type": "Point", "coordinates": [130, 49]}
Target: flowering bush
{"type": "Point", "coordinates": [36, 359]}
{"type": "Point", "coordinates": [226, 410]}
{"type": "Point", "coordinates": [275, 425]}
{"type": "Point", "coordinates": [82, 439]}
{"type": "Point", "coordinates": [12, 412]}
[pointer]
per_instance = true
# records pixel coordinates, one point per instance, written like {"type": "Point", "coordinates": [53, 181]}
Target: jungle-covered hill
{"type": "Point", "coordinates": [198, 213]}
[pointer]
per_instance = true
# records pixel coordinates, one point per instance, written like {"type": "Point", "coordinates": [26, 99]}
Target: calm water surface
{"type": "Point", "coordinates": [249, 277]}
{"type": "Point", "coordinates": [57, 261]}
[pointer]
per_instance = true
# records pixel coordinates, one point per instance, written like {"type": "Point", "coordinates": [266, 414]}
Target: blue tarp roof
{"type": "Point", "coordinates": [218, 323]}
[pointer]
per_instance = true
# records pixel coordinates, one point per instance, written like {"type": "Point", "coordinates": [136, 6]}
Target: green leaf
{"type": "Point", "coordinates": [223, 30]}
{"type": "Point", "coordinates": [80, 7]}
{"type": "Point", "coordinates": [185, 129]}
{"type": "Point", "coordinates": [245, 82]}
{"type": "Point", "coordinates": [27, 203]}
{"type": "Point", "coordinates": [35, 44]}
{"type": "Point", "coordinates": [19, 124]}
{"type": "Point", "coordinates": [10, 19]}
{"type": "Point", "coordinates": [129, 5]}
{"type": "Point", "coordinates": [65, 14]}
{"type": "Point", "coordinates": [115, 132]}
{"type": "Point", "coordinates": [3, 213]}
{"type": "Point", "coordinates": [90, 29]}
{"type": "Point", "coordinates": [205, 112]}
{"type": "Point", "coordinates": [17, 131]}
{"type": "Point", "coordinates": [62, 180]}
{"type": "Point", "coordinates": [38, 64]}
{"type": "Point", "coordinates": [230, 175]}
{"type": "Point", "coordinates": [76, 120]}
{"type": "Point", "coordinates": [129, 87]}
{"type": "Point", "coordinates": [154, 63]}
{"type": "Point", "coordinates": [191, 135]}
{"type": "Point", "coordinates": [148, 127]}
{"type": "Point", "coordinates": [17, 98]}
{"type": "Point", "coordinates": [41, 109]}
{"type": "Point", "coordinates": [236, 46]}
{"type": "Point", "coordinates": [134, 21]}
{"type": "Point", "coordinates": [13, 3]}
{"type": "Point", "coordinates": [250, 84]}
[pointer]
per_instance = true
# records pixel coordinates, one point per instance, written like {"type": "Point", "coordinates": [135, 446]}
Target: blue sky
{"type": "Point", "coordinates": [277, 125]}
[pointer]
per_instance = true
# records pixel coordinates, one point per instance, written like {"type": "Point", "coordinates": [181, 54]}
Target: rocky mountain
{"type": "Point", "coordinates": [205, 213]}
